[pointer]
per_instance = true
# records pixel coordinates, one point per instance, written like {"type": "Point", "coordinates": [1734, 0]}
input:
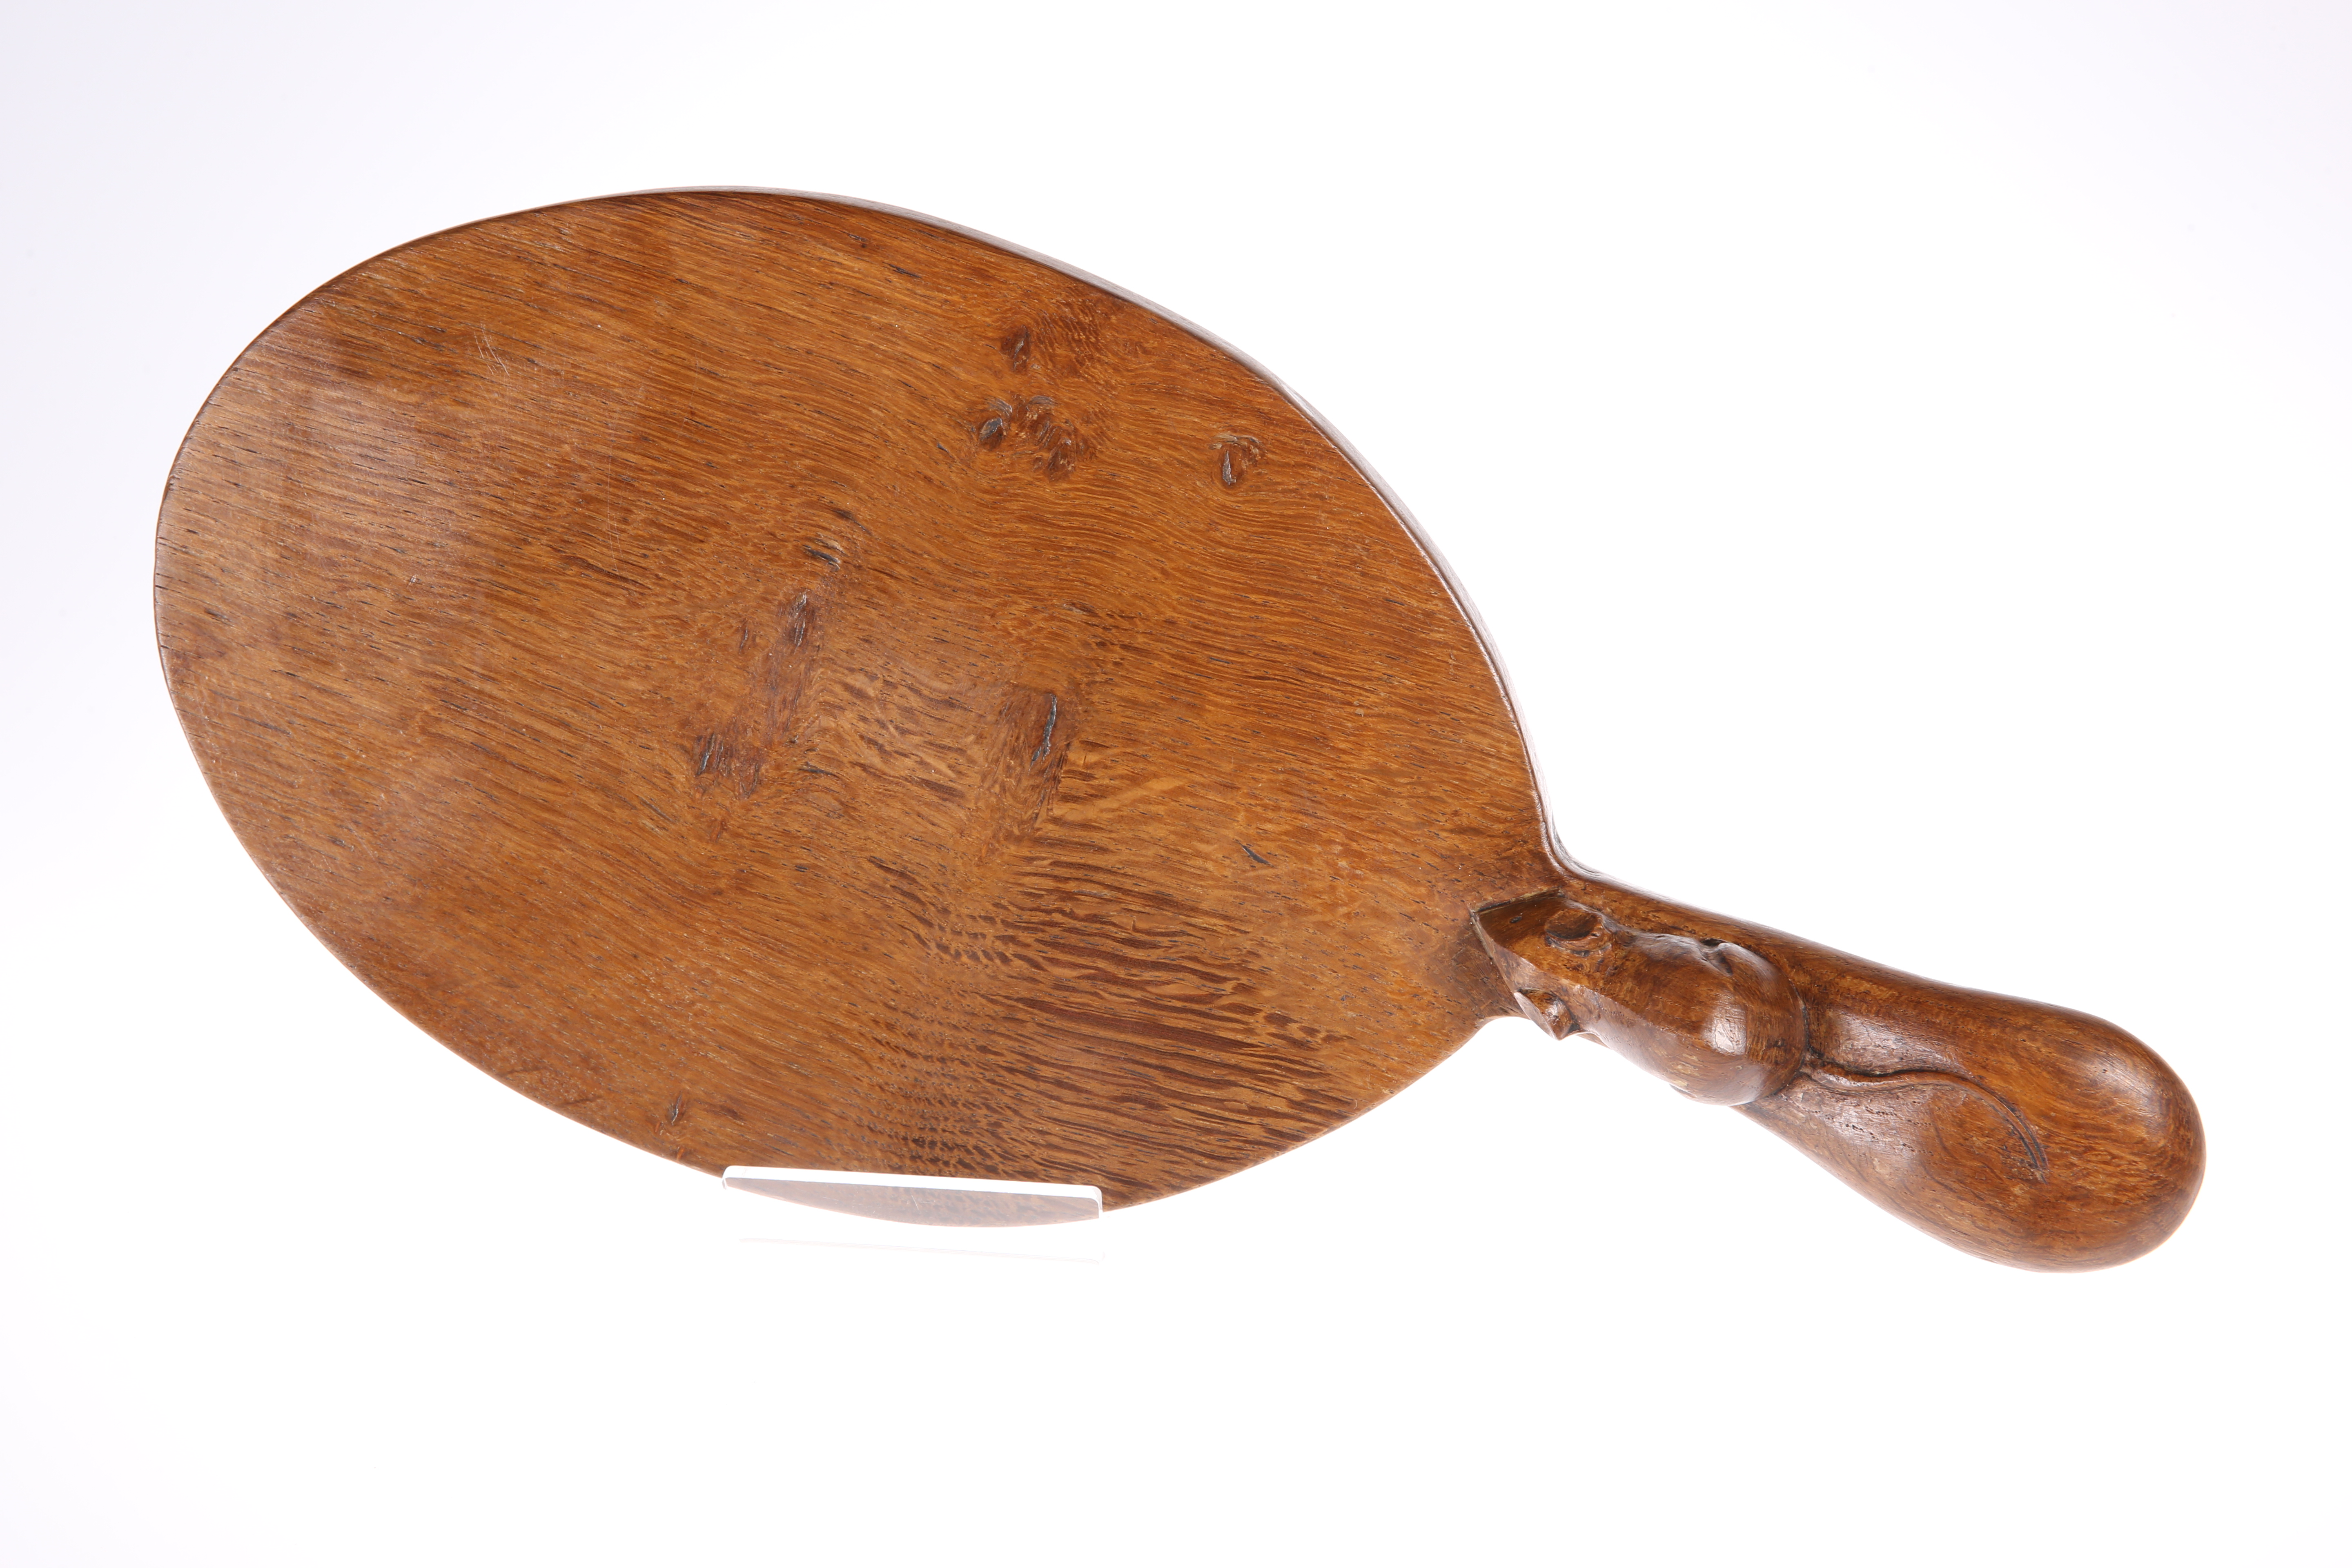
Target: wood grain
{"type": "Point", "coordinates": [793, 684]}
{"type": "Point", "coordinates": [788, 684]}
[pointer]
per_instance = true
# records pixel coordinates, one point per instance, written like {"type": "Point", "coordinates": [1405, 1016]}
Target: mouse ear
{"type": "Point", "coordinates": [1575, 931]}
{"type": "Point", "coordinates": [1547, 1011]}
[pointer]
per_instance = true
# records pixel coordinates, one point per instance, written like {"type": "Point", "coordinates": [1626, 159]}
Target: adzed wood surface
{"type": "Point", "coordinates": [792, 684]}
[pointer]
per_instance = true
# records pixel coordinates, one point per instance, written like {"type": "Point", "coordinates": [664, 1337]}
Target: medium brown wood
{"type": "Point", "coordinates": [2021, 1132]}
{"type": "Point", "coordinates": [792, 684]}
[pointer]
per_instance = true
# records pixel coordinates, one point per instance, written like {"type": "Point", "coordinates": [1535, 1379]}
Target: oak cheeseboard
{"type": "Point", "coordinates": [792, 683]}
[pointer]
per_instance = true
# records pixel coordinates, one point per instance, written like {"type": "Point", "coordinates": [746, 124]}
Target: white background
{"type": "Point", "coordinates": [1901, 454]}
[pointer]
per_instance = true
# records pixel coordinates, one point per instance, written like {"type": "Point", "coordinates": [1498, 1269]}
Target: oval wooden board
{"type": "Point", "coordinates": [789, 683]}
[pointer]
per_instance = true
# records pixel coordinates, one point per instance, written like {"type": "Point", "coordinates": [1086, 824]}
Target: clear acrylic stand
{"type": "Point", "coordinates": [880, 1211]}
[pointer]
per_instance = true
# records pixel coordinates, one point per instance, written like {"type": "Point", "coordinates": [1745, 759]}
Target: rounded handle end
{"type": "Point", "coordinates": [2076, 1146]}
{"type": "Point", "coordinates": [2024, 1133]}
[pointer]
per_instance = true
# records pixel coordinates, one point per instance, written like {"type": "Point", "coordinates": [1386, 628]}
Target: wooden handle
{"type": "Point", "coordinates": [2024, 1133]}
